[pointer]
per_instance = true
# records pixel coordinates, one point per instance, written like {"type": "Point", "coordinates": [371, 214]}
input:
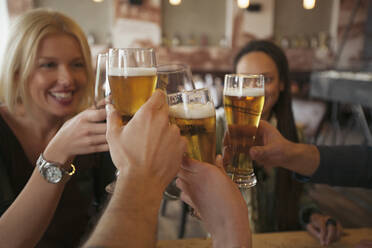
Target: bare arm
{"type": "Point", "coordinates": [218, 200]}
{"type": "Point", "coordinates": [148, 153]}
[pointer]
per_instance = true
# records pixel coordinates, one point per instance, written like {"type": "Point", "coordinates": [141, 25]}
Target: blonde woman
{"type": "Point", "coordinates": [48, 193]}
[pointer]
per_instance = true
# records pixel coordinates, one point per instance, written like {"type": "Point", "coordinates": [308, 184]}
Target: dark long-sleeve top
{"type": "Point", "coordinates": [82, 198]}
{"type": "Point", "coordinates": [349, 166]}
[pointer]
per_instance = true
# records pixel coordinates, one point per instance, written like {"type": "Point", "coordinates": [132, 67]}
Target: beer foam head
{"type": "Point", "coordinates": [192, 110]}
{"type": "Point", "coordinates": [244, 92]}
{"type": "Point", "coordinates": [133, 71]}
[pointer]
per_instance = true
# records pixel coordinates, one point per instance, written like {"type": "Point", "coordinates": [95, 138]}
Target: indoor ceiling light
{"type": "Point", "coordinates": [309, 4]}
{"type": "Point", "coordinates": [243, 4]}
{"type": "Point", "coordinates": [175, 2]}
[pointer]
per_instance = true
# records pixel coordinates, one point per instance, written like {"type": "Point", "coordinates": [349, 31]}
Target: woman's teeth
{"type": "Point", "coordinates": [62, 95]}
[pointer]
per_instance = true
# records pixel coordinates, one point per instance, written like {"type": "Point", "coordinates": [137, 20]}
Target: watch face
{"type": "Point", "coordinates": [52, 173]}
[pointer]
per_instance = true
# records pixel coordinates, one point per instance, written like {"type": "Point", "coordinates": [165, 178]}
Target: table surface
{"type": "Point", "coordinates": [299, 239]}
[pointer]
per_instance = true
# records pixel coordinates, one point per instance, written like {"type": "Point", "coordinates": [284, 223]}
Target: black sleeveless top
{"type": "Point", "coordinates": [82, 198]}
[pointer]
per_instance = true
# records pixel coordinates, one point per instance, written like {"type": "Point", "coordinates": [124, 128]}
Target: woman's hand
{"type": "Point", "coordinates": [324, 228]}
{"type": "Point", "coordinates": [217, 199]}
{"type": "Point", "coordinates": [83, 134]}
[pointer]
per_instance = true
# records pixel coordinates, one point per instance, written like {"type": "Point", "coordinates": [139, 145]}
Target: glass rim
{"type": "Point", "coordinates": [172, 68]}
{"type": "Point", "coordinates": [102, 54]}
{"type": "Point", "coordinates": [244, 75]}
{"type": "Point", "coordinates": [188, 92]}
{"type": "Point", "coordinates": [150, 49]}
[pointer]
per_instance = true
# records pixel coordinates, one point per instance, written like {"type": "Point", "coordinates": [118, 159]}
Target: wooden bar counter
{"type": "Point", "coordinates": [299, 239]}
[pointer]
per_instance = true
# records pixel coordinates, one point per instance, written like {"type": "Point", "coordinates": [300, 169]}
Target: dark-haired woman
{"type": "Point", "coordinates": [277, 200]}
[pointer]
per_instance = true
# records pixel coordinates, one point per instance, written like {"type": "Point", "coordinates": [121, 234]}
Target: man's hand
{"type": "Point", "coordinates": [218, 201]}
{"type": "Point", "coordinates": [274, 150]}
{"type": "Point", "coordinates": [148, 152]}
{"type": "Point", "coordinates": [148, 148]}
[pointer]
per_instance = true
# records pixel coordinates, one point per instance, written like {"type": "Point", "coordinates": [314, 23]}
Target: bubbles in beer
{"type": "Point", "coordinates": [133, 71]}
{"type": "Point", "coordinates": [192, 110]}
{"type": "Point", "coordinates": [249, 92]}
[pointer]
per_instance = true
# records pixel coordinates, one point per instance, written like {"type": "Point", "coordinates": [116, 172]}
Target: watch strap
{"type": "Point", "coordinates": [41, 162]}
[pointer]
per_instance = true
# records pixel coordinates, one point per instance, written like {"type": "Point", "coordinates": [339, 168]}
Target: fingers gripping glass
{"type": "Point", "coordinates": [132, 80]}
{"type": "Point", "coordinates": [193, 112]}
{"type": "Point", "coordinates": [243, 103]}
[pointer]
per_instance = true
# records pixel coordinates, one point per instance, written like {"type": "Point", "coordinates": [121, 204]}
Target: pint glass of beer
{"type": "Point", "coordinates": [132, 78]}
{"type": "Point", "coordinates": [193, 112]}
{"type": "Point", "coordinates": [174, 78]}
{"type": "Point", "coordinates": [243, 103]}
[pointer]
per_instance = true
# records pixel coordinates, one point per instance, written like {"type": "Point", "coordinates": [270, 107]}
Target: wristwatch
{"type": "Point", "coordinates": [52, 172]}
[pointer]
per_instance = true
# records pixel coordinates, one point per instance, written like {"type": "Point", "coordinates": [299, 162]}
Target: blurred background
{"type": "Point", "coordinates": [327, 42]}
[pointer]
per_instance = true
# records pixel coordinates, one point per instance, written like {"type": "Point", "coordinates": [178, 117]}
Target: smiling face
{"type": "Point", "coordinates": [58, 80]}
{"type": "Point", "coordinates": [261, 63]}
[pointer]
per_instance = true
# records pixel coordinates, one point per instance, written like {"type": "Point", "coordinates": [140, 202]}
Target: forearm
{"type": "Point", "coordinates": [235, 230]}
{"type": "Point", "coordinates": [301, 158]}
{"type": "Point", "coordinates": [25, 221]}
{"type": "Point", "coordinates": [130, 217]}
{"type": "Point", "coordinates": [241, 237]}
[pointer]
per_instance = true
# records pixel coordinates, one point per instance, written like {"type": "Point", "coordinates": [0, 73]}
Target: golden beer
{"type": "Point", "coordinates": [243, 109]}
{"type": "Point", "coordinates": [130, 89]}
{"type": "Point", "coordinates": [197, 122]}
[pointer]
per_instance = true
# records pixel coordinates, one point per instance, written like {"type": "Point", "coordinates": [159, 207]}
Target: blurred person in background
{"type": "Point", "coordinates": [278, 202]}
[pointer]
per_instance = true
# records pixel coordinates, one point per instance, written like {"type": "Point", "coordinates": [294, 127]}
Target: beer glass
{"type": "Point", "coordinates": [243, 102]}
{"type": "Point", "coordinates": [132, 80]}
{"type": "Point", "coordinates": [173, 78]}
{"type": "Point", "coordinates": [102, 88]}
{"type": "Point", "coordinates": [193, 112]}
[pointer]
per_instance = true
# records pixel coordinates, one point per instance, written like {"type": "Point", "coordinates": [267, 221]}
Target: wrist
{"type": "Point", "coordinates": [302, 158]}
{"type": "Point", "coordinates": [307, 214]}
{"type": "Point", "coordinates": [51, 153]}
{"type": "Point", "coordinates": [137, 186]}
{"type": "Point", "coordinates": [239, 234]}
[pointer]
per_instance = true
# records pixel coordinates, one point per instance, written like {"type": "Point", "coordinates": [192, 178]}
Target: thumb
{"type": "Point", "coordinates": [257, 153]}
{"type": "Point", "coordinates": [219, 163]}
{"type": "Point", "coordinates": [114, 121]}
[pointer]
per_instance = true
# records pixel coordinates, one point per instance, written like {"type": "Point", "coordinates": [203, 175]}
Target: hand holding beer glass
{"type": "Point", "coordinates": [193, 112]}
{"type": "Point", "coordinates": [243, 103]}
{"type": "Point", "coordinates": [132, 80]}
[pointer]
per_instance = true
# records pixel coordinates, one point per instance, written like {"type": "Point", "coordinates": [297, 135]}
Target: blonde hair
{"type": "Point", "coordinates": [19, 57]}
